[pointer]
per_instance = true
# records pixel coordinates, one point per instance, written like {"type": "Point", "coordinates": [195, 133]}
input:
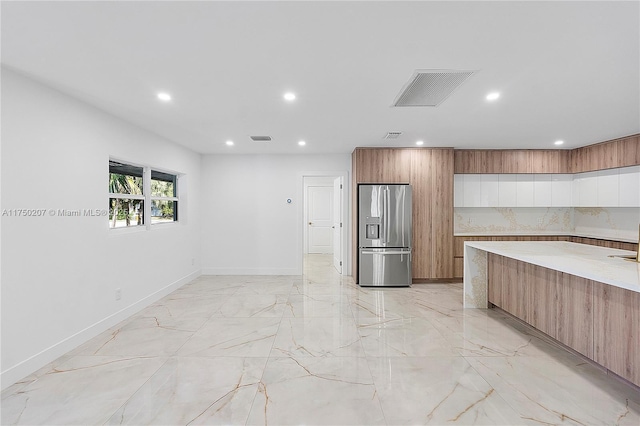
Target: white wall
{"type": "Point", "coordinates": [59, 274]}
{"type": "Point", "coordinates": [247, 225]}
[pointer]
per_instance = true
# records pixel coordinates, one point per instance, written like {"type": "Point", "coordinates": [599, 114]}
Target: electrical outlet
{"type": "Point", "coordinates": [540, 221]}
{"type": "Point", "coordinates": [193, 261]}
{"type": "Point", "coordinates": [118, 294]}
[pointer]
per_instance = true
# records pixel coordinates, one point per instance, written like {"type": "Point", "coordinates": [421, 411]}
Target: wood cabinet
{"type": "Point", "coordinates": [595, 319]}
{"type": "Point", "coordinates": [383, 165]}
{"type": "Point", "coordinates": [606, 155]}
{"type": "Point", "coordinates": [511, 161]}
{"type": "Point", "coordinates": [620, 152]}
{"type": "Point", "coordinates": [430, 173]}
{"type": "Point", "coordinates": [617, 330]}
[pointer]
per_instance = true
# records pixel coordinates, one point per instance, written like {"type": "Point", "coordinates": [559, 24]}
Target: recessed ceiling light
{"type": "Point", "coordinates": [289, 96]}
{"type": "Point", "coordinates": [229, 143]}
{"type": "Point", "coordinates": [558, 142]}
{"type": "Point", "coordinates": [302, 143]}
{"type": "Point", "coordinates": [420, 143]}
{"type": "Point", "coordinates": [493, 96]}
{"type": "Point", "coordinates": [164, 96]}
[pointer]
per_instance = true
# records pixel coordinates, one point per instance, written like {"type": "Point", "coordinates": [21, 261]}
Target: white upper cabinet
{"type": "Point", "coordinates": [587, 189]}
{"type": "Point", "coordinates": [542, 196]}
{"type": "Point", "coordinates": [458, 190]}
{"type": "Point", "coordinates": [524, 190]}
{"type": "Point", "coordinates": [608, 188]}
{"type": "Point", "coordinates": [604, 188]}
{"type": "Point", "coordinates": [507, 190]}
{"type": "Point", "coordinates": [472, 188]}
{"type": "Point", "coordinates": [489, 190]}
{"type": "Point", "coordinates": [561, 190]}
{"type": "Point", "coordinates": [629, 187]}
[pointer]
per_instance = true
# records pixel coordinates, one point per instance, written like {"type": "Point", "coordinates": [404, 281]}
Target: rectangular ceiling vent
{"type": "Point", "coordinates": [392, 135]}
{"type": "Point", "coordinates": [261, 138]}
{"type": "Point", "coordinates": [430, 87]}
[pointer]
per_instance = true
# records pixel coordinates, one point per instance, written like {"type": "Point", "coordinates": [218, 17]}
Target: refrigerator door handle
{"type": "Point", "coordinates": [387, 214]}
{"type": "Point", "coordinates": [384, 253]}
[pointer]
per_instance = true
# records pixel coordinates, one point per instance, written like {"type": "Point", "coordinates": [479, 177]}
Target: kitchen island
{"type": "Point", "coordinates": [575, 293]}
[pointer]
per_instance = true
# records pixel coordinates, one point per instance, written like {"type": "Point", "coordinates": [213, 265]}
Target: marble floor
{"type": "Point", "coordinates": [318, 349]}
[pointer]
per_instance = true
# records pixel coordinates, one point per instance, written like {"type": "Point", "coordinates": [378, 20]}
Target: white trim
{"type": "Point", "coordinates": [126, 196]}
{"type": "Point", "coordinates": [154, 198]}
{"type": "Point", "coordinates": [11, 375]}
{"type": "Point", "coordinates": [346, 216]}
{"type": "Point", "coordinates": [251, 271]}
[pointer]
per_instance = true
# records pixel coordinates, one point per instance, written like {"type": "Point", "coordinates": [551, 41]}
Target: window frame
{"type": "Point", "coordinates": [147, 199]}
{"type": "Point", "coordinates": [175, 199]}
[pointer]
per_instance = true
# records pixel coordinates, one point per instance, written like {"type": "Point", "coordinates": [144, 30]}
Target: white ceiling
{"type": "Point", "coordinates": [566, 70]}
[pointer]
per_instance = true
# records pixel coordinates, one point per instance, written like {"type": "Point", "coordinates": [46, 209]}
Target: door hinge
{"type": "Point", "coordinates": [340, 186]}
{"type": "Point", "coordinates": [340, 224]}
{"type": "Point", "coordinates": [341, 263]}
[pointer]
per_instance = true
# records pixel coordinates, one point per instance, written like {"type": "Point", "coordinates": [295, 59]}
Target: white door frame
{"type": "Point", "coordinates": [346, 208]}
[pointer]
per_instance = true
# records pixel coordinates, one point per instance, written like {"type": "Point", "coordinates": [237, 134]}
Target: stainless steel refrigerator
{"type": "Point", "coordinates": [384, 235]}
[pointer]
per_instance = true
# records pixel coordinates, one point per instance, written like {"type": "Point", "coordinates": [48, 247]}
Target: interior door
{"type": "Point", "coordinates": [337, 224]}
{"type": "Point", "coordinates": [320, 209]}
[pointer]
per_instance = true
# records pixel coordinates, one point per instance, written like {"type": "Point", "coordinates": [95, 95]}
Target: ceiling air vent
{"type": "Point", "coordinates": [261, 138]}
{"type": "Point", "coordinates": [430, 87]}
{"type": "Point", "coordinates": [392, 135]}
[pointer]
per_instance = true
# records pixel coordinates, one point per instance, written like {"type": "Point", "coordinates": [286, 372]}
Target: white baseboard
{"type": "Point", "coordinates": [12, 374]}
{"type": "Point", "coordinates": [251, 271]}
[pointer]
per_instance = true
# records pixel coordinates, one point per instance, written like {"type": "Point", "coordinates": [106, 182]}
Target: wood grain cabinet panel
{"type": "Point", "coordinates": [422, 183]}
{"type": "Point", "coordinates": [574, 313]}
{"type": "Point", "coordinates": [621, 152]}
{"type": "Point", "coordinates": [514, 289]}
{"type": "Point", "coordinates": [629, 151]}
{"type": "Point", "coordinates": [541, 302]}
{"type": "Point", "coordinates": [383, 165]}
{"type": "Point", "coordinates": [495, 279]}
{"type": "Point", "coordinates": [617, 330]}
{"type": "Point", "coordinates": [441, 213]}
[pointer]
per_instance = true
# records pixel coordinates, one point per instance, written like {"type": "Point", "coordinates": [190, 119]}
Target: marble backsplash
{"type": "Point", "coordinates": [617, 223]}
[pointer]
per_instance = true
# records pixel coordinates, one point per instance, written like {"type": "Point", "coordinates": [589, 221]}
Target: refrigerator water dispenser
{"type": "Point", "coordinates": [373, 231]}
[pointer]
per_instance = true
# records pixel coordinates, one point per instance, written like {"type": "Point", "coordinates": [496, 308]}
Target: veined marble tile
{"type": "Point", "coordinates": [139, 336]}
{"type": "Point", "coordinates": [375, 304]}
{"type": "Point", "coordinates": [403, 337]}
{"type": "Point", "coordinates": [438, 391]}
{"type": "Point", "coordinates": [320, 288]}
{"type": "Point", "coordinates": [266, 287]}
{"type": "Point", "coordinates": [84, 390]}
{"type": "Point", "coordinates": [253, 305]}
{"type": "Point", "coordinates": [195, 391]}
{"type": "Point", "coordinates": [185, 314]}
{"type": "Point", "coordinates": [209, 285]}
{"type": "Point", "coordinates": [560, 390]}
{"type": "Point", "coordinates": [244, 337]}
{"type": "Point", "coordinates": [492, 335]}
{"type": "Point", "coordinates": [317, 337]}
{"type": "Point", "coordinates": [318, 306]}
{"type": "Point", "coordinates": [316, 391]}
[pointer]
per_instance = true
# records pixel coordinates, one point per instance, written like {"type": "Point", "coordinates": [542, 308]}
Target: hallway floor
{"type": "Point", "coordinates": [318, 349]}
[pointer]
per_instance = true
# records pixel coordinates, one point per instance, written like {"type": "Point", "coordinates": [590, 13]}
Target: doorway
{"type": "Point", "coordinates": [324, 227]}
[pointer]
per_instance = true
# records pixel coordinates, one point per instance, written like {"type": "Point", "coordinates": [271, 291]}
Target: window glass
{"type": "Point", "coordinates": [126, 195]}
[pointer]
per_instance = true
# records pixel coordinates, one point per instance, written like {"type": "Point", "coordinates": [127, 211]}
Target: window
{"type": "Point", "coordinates": [137, 193]}
{"type": "Point", "coordinates": [164, 203]}
{"type": "Point", "coordinates": [126, 198]}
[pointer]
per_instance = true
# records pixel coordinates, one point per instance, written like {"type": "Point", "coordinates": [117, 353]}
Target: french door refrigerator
{"type": "Point", "coordinates": [384, 235]}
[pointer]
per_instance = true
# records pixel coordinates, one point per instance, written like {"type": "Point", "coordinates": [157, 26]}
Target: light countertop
{"type": "Point", "coordinates": [582, 260]}
{"type": "Point", "coordinates": [543, 234]}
